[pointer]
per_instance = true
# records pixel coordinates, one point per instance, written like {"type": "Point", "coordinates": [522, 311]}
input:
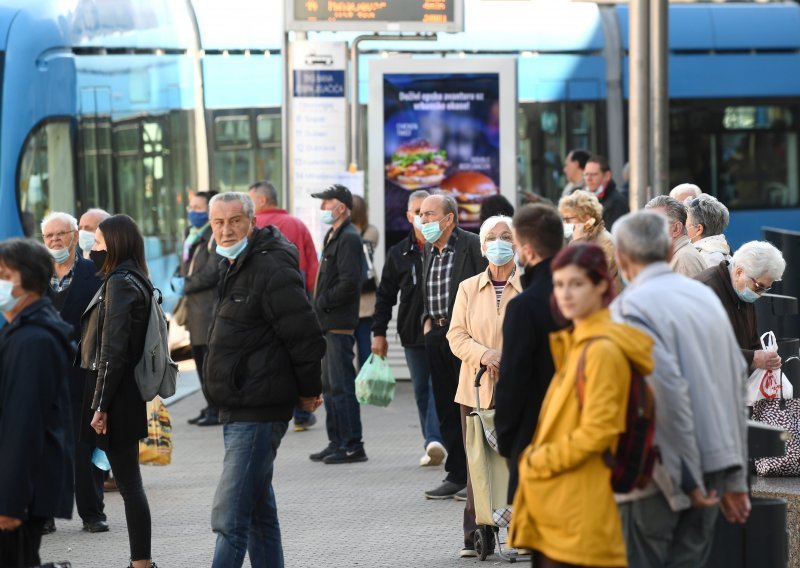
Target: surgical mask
{"type": "Point", "coordinates": [599, 191]}
{"type": "Point", "coordinates": [233, 251]}
{"type": "Point", "coordinates": [59, 255]}
{"type": "Point", "coordinates": [499, 252]}
{"type": "Point", "coordinates": [431, 231]}
{"type": "Point", "coordinates": [86, 240]}
{"type": "Point", "coordinates": [328, 218]}
{"type": "Point", "coordinates": [569, 228]}
{"type": "Point", "coordinates": [747, 295]}
{"type": "Point", "coordinates": [624, 280]}
{"type": "Point", "coordinates": [197, 218]}
{"type": "Point", "coordinates": [7, 301]}
{"type": "Point", "coordinates": [417, 222]}
{"type": "Point", "coordinates": [99, 258]}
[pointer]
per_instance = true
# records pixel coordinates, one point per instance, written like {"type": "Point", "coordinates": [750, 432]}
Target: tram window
{"type": "Point", "coordinates": [95, 166]}
{"type": "Point", "coordinates": [45, 180]}
{"type": "Point", "coordinates": [232, 132]}
{"type": "Point", "coordinates": [269, 155]}
{"type": "Point", "coordinates": [268, 129]}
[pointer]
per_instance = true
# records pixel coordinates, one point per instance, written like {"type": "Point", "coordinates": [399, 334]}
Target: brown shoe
{"type": "Point", "coordinates": [110, 485]}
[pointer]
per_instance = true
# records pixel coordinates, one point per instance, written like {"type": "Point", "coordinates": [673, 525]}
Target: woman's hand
{"type": "Point", "coordinates": [100, 422]}
{"type": "Point", "coordinates": [491, 360]}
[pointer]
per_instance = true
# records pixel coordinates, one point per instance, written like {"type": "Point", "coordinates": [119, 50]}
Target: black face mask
{"type": "Point", "coordinates": [99, 258]}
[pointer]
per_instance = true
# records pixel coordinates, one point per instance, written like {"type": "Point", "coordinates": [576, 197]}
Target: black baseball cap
{"type": "Point", "coordinates": [336, 191]}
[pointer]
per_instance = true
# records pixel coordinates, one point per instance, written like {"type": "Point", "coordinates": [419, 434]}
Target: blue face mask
{"type": "Point", "coordinates": [431, 231]}
{"type": "Point", "coordinates": [198, 218]}
{"type": "Point", "coordinates": [327, 217]}
{"type": "Point", "coordinates": [747, 295]}
{"type": "Point", "coordinates": [499, 252]}
{"type": "Point", "coordinates": [59, 255]}
{"type": "Point", "coordinates": [86, 240]}
{"type": "Point", "coordinates": [7, 301]}
{"type": "Point", "coordinates": [232, 251]}
{"type": "Point", "coordinates": [418, 222]}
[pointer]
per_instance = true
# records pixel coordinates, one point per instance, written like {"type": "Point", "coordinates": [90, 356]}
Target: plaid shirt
{"type": "Point", "coordinates": [57, 284]}
{"type": "Point", "coordinates": [438, 284]}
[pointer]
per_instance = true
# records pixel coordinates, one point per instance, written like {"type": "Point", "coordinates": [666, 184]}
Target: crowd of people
{"type": "Point", "coordinates": [562, 305]}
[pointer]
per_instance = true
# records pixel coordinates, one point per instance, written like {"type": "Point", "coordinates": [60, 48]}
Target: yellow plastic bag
{"type": "Point", "coordinates": [156, 449]}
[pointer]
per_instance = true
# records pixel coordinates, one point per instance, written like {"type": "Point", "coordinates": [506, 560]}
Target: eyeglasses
{"type": "Point", "coordinates": [760, 288]}
{"type": "Point", "coordinates": [58, 235]}
{"type": "Point", "coordinates": [507, 237]}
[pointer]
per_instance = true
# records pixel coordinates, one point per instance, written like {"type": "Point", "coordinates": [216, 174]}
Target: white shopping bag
{"type": "Point", "coordinates": [767, 383]}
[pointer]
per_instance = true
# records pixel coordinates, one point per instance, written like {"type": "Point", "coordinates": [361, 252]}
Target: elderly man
{"type": "Point", "coordinates": [685, 192]}
{"type": "Point", "coordinates": [451, 256]}
{"type": "Point", "coordinates": [336, 302]}
{"type": "Point", "coordinates": [401, 274]}
{"type": "Point", "coordinates": [87, 226]}
{"type": "Point", "coordinates": [35, 436]}
{"type": "Point", "coordinates": [574, 164]}
{"type": "Point", "coordinates": [706, 219]}
{"type": "Point", "coordinates": [700, 422]}
{"type": "Point", "coordinates": [738, 284]}
{"type": "Point", "coordinates": [72, 286]}
{"type": "Point", "coordinates": [526, 365]}
{"type": "Point", "coordinates": [685, 258]}
{"type": "Point", "coordinates": [597, 175]}
{"type": "Point", "coordinates": [264, 351]}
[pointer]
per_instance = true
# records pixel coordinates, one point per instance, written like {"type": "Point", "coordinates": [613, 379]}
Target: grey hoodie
{"type": "Point", "coordinates": [698, 380]}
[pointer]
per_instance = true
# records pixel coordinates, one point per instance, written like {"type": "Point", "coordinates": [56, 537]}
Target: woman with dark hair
{"type": "Point", "coordinates": [564, 508]}
{"type": "Point", "coordinates": [112, 340]}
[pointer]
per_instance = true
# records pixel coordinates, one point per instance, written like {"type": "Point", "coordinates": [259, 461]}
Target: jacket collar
{"type": "Point", "coordinates": [651, 271]}
{"type": "Point", "coordinates": [724, 273]}
{"type": "Point", "coordinates": [537, 273]}
{"type": "Point", "coordinates": [411, 243]}
{"type": "Point", "coordinates": [679, 243]}
{"type": "Point", "coordinates": [486, 280]}
{"type": "Point", "coordinates": [334, 233]}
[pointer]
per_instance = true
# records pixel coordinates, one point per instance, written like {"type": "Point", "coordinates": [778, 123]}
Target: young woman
{"type": "Point", "coordinates": [564, 508]}
{"type": "Point", "coordinates": [112, 340]}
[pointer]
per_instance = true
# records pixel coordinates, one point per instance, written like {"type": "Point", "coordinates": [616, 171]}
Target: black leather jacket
{"type": "Point", "coordinates": [341, 274]}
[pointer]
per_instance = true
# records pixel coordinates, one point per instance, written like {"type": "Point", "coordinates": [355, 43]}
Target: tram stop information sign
{"type": "Point", "coordinates": [375, 15]}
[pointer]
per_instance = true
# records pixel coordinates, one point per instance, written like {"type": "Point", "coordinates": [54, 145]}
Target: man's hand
{"type": "Point", "coordinates": [766, 360]}
{"type": "Point", "coordinates": [735, 507]}
{"type": "Point", "coordinates": [9, 523]}
{"type": "Point", "coordinates": [491, 359]}
{"type": "Point", "coordinates": [100, 422]}
{"type": "Point", "coordinates": [309, 403]}
{"type": "Point", "coordinates": [427, 326]}
{"type": "Point", "coordinates": [701, 501]}
{"type": "Point", "coordinates": [380, 346]}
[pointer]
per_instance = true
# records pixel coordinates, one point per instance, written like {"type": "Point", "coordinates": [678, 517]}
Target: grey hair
{"type": "Point", "coordinates": [709, 212]}
{"type": "Point", "coordinates": [759, 258]}
{"type": "Point", "coordinates": [490, 224]}
{"type": "Point", "coordinates": [419, 194]}
{"type": "Point", "coordinates": [449, 204]}
{"type": "Point", "coordinates": [642, 236]}
{"type": "Point", "coordinates": [678, 189]}
{"type": "Point", "coordinates": [247, 204]}
{"type": "Point", "coordinates": [71, 221]}
{"type": "Point", "coordinates": [266, 189]}
{"type": "Point", "coordinates": [676, 211]}
{"type": "Point", "coordinates": [102, 212]}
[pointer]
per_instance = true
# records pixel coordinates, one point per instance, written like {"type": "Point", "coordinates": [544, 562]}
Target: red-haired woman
{"type": "Point", "coordinates": [564, 508]}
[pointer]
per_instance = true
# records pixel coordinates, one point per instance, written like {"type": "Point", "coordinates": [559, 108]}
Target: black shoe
{"type": "Point", "coordinates": [49, 527]}
{"type": "Point", "coordinates": [197, 418]}
{"type": "Point", "coordinates": [95, 527]}
{"type": "Point", "coordinates": [346, 456]}
{"type": "Point", "coordinates": [446, 490]}
{"type": "Point", "coordinates": [208, 420]}
{"type": "Point", "coordinates": [320, 456]}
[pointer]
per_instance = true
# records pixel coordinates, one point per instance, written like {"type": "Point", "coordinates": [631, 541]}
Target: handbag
{"type": "Point", "coordinates": [180, 312]}
{"type": "Point", "coordinates": [156, 449]}
{"type": "Point", "coordinates": [783, 413]}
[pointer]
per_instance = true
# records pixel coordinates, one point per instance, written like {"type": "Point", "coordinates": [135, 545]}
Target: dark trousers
{"type": "Point", "coordinates": [469, 506]}
{"type": "Point", "coordinates": [363, 336]}
{"type": "Point", "coordinates": [199, 355]}
{"type": "Point", "coordinates": [88, 478]}
{"type": "Point", "coordinates": [125, 465]}
{"type": "Point", "coordinates": [343, 413]}
{"type": "Point", "coordinates": [444, 378]}
{"type": "Point", "coordinates": [20, 547]}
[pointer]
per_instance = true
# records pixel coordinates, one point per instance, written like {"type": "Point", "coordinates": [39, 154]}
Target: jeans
{"type": "Point", "coordinates": [125, 465]}
{"type": "Point", "coordinates": [343, 420]}
{"type": "Point", "coordinates": [245, 514]}
{"type": "Point", "coordinates": [363, 340]}
{"type": "Point", "coordinates": [417, 360]}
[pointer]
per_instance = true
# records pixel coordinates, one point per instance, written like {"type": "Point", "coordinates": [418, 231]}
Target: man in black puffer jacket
{"type": "Point", "coordinates": [265, 346]}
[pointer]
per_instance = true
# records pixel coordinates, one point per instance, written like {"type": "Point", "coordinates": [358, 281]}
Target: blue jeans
{"type": "Point", "coordinates": [417, 360]}
{"type": "Point", "coordinates": [343, 420]}
{"type": "Point", "coordinates": [363, 340]}
{"type": "Point", "coordinates": [245, 514]}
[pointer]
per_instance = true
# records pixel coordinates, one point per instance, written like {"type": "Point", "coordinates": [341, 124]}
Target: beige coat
{"type": "Point", "coordinates": [476, 327]}
{"type": "Point", "coordinates": [685, 258]}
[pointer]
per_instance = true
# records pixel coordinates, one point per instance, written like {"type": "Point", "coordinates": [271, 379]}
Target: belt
{"type": "Point", "coordinates": [441, 322]}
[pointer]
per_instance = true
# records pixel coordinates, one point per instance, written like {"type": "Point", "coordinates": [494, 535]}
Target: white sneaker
{"type": "Point", "coordinates": [435, 453]}
{"type": "Point", "coordinates": [425, 460]}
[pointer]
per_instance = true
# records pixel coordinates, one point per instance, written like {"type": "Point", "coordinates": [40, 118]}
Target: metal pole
{"type": "Point", "coordinates": [200, 131]}
{"type": "Point", "coordinates": [659, 87]}
{"type": "Point", "coordinates": [638, 103]}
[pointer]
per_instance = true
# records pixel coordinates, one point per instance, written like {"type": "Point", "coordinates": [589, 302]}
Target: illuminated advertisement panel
{"type": "Point", "coordinates": [375, 15]}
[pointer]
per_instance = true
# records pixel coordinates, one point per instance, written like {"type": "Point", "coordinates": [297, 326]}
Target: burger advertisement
{"type": "Point", "coordinates": [441, 133]}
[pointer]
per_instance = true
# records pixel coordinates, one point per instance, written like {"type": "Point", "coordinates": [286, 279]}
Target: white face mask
{"type": "Point", "coordinates": [86, 240]}
{"type": "Point", "coordinates": [59, 255]}
{"type": "Point", "coordinates": [569, 228]}
{"type": "Point", "coordinates": [7, 301]}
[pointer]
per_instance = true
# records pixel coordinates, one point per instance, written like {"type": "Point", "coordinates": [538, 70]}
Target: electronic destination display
{"type": "Point", "coordinates": [375, 15]}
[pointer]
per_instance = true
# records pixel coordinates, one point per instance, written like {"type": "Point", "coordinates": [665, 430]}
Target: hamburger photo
{"type": "Point", "coordinates": [469, 188]}
{"type": "Point", "coordinates": [417, 164]}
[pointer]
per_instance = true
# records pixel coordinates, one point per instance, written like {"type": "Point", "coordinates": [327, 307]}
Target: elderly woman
{"type": "Point", "coordinates": [583, 222]}
{"type": "Point", "coordinates": [705, 220]}
{"type": "Point", "coordinates": [476, 333]}
{"type": "Point", "coordinates": [738, 284]}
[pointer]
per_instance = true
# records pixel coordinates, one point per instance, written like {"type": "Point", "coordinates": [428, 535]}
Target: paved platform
{"type": "Point", "coordinates": [370, 514]}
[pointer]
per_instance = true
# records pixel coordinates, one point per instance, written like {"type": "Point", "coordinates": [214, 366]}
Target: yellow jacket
{"type": "Point", "coordinates": [475, 327]}
{"type": "Point", "coordinates": [564, 506]}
